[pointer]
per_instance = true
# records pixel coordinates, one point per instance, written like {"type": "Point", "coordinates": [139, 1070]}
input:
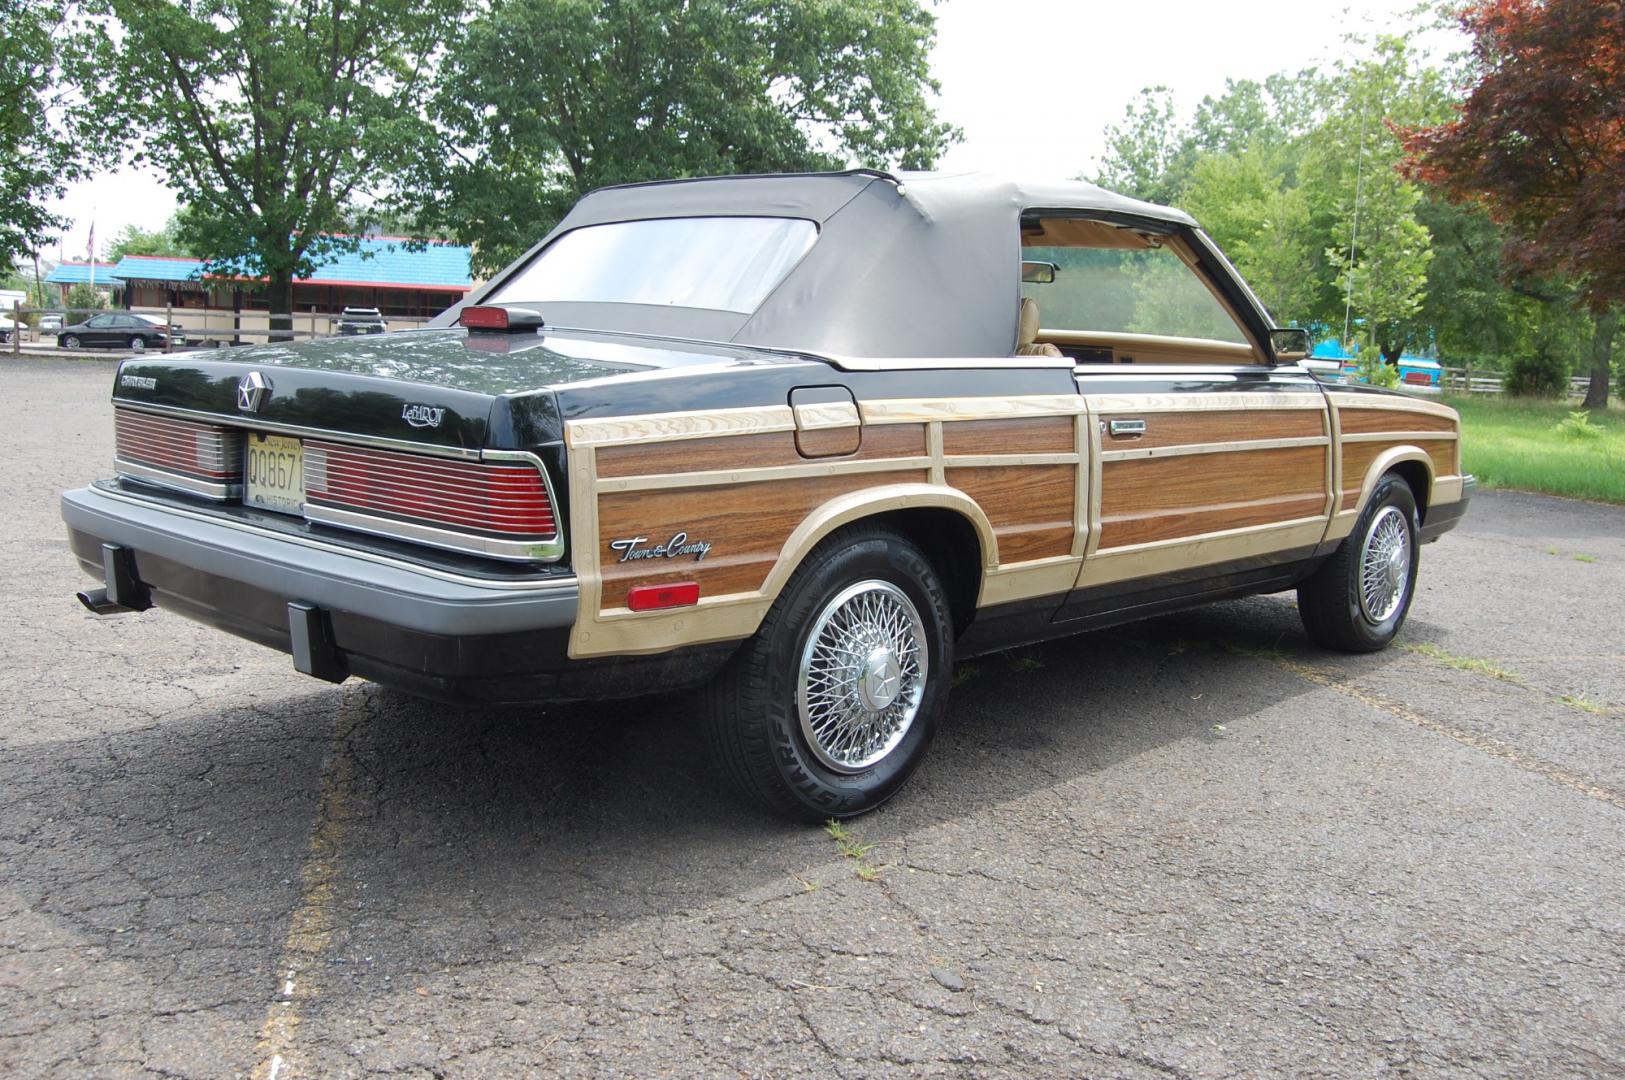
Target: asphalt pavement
{"type": "Point", "coordinates": [1193, 847]}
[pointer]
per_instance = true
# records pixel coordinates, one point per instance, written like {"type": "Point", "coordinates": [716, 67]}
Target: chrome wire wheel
{"type": "Point", "coordinates": [1385, 565]}
{"type": "Point", "coordinates": [862, 675]}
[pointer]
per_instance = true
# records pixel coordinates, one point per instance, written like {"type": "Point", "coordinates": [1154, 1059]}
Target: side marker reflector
{"type": "Point", "coordinates": [650, 597]}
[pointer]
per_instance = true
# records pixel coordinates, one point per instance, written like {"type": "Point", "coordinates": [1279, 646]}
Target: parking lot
{"type": "Point", "coordinates": [1195, 847]}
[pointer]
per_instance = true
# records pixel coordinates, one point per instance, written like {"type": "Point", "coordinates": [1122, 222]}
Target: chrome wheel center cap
{"type": "Point", "coordinates": [880, 679]}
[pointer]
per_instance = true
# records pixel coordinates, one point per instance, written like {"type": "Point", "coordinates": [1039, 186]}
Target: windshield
{"type": "Point", "coordinates": [719, 263]}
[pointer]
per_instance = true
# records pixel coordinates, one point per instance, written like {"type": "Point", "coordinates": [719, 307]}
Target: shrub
{"type": "Point", "coordinates": [1374, 372]}
{"type": "Point", "coordinates": [1578, 425]}
{"type": "Point", "coordinates": [1542, 374]}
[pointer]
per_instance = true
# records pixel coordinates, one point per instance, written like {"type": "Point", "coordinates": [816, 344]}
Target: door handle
{"type": "Point", "coordinates": [1123, 429]}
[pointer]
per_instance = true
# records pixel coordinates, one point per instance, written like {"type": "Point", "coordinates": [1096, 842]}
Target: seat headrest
{"type": "Point", "coordinates": [1027, 322]}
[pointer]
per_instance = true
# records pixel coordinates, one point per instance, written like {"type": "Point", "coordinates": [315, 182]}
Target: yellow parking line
{"type": "Point", "coordinates": [311, 929]}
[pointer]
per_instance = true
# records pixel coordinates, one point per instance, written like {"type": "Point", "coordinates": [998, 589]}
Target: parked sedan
{"type": "Point", "coordinates": [115, 330]}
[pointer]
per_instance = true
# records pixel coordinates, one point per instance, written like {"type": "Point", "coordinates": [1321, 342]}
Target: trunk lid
{"type": "Point", "coordinates": [438, 387]}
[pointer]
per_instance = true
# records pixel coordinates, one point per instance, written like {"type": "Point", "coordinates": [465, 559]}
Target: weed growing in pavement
{"type": "Point", "coordinates": [1576, 701]}
{"type": "Point", "coordinates": [851, 846]}
{"type": "Point", "coordinates": [1461, 663]}
{"type": "Point", "coordinates": [1580, 556]}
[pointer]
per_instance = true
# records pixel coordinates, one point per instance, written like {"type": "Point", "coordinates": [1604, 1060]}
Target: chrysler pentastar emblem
{"type": "Point", "coordinates": [251, 391]}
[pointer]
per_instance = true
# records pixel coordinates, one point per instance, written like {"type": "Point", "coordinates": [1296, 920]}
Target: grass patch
{"type": "Point", "coordinates": [851, 846]}
{"type": "Point", "coordinates": [1575, 701]}
{"type": "Point", "coordinates": [1543, 446]}
{"type": "Point", "coordinates": [1460, 663]}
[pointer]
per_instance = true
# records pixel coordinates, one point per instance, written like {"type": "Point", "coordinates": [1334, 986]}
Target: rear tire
{"type": "Point", "coordinates": [829, 708]}
{"type": "Point", "coordinates": [1358, 599]}
{"type": "Point", "coordinates": [138, 343]}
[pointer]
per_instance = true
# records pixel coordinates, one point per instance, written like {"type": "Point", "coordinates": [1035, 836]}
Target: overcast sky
{"type": "Point", "coordinates": [1033, 83]}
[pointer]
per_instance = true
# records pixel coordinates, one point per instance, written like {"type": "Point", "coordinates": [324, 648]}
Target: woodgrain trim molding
{"type": "Point", "coordinates": [913, 410]}
{"type": "Point", "coordinates": [1023, 581]}
{"type": "Point", "coordinates": [1111, 565]}
{"type": "Point", "coordinates": [766, 474]}
{"type": "Point", "coordinates": [667, 427]}
{"type": "Point", "coordinates": [1226, 401]}
{"type": "Point", "coordinates": [1400, 436]}
{"type": "Point", "coordinates": [1386, 460]}
{"type": "Point", "coordinates": [1397, 404]}
{"type": "Point", "coordinates": [835, 414]}
{"type": "Point", "coordinates": [1212, 448]}
{"type": "Point", "coordinates": [724, 617]}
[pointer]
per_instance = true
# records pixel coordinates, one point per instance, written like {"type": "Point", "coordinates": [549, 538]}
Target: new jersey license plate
{"type": "Point", "coordinates": [275, 475]}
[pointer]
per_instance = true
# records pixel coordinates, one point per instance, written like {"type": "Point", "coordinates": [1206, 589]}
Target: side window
{"type": "Point", "coordinates": [1095, 278]}
{"type": "Point", "coordinates": [100, 321]}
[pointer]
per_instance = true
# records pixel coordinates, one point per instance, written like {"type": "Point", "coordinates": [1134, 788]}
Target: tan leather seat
{"type": "Point", "coordinates": [1027, 332]}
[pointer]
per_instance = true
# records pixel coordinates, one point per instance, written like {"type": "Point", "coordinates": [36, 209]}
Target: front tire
{"type": "Point", "coordinates": [1358, 599]}
{"type": "Point", "coordinates": [68, 341]}
{"type": "Point", "coordinates": [830, 707]}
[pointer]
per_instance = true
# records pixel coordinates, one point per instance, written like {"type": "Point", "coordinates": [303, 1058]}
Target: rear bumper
{"type": "Point", "coordinates": [342, 612]}
{"type": "Point", "coordinates": [1446, 516]}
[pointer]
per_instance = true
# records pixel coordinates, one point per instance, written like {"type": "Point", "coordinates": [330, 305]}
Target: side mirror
{"type": "Point", "coordinates": [1290, 345]}
{"type": "Point", "coordinates": [1038, 273]}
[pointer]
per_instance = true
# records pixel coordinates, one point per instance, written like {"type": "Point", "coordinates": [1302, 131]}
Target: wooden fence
{"type": "Point", "coordinates": [1462, 380]}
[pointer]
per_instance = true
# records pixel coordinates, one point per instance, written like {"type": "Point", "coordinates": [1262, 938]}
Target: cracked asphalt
{"type": "Point", "coordinates": [1195, 847]}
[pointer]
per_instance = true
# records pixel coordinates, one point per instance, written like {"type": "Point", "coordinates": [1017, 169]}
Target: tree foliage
{"type": "Point", "coordinates": [271, 119]}
{"type": "Point", "coordinates": [1539, 142]}
{"type": "Point", "coordinates": [134, 240]}
{"type": "Point", "coordinates": [544, 100]}
{"type": "Point", "coordinates": [44, 142]}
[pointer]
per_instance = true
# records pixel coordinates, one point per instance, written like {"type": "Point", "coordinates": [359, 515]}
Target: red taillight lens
{"type": "Point", "coordinates": [484, 318]}
{"type": "Point", "coordinates": [649, 597]}
{"type": "Point", "coordinates": [505, 500]}
{"type": "Point", "coordinates": [196, 450]}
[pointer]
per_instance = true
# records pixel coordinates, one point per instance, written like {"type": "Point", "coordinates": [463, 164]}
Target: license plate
{"type": "Point", "coordinates": [275, 475]}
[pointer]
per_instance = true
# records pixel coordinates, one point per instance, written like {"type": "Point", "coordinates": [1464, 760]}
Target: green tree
{"type": "Point", "coordinates": [134, 240]}
{"type": "Point", "coordinates": [544, 100]}
{"type": "Point", "coordinates": [44, 142]}
{"type": "Point", "coordinates": [1149, 152]}
{"type": "Point", "coordinates": [1365, 211]}
{"type": "Point", "coordinates": [83, 297]}
{"type": "Point", "coordinates": [271, 119]}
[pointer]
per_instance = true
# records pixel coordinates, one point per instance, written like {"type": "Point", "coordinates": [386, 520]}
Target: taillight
{"type": "Point", "coordinates": [204, 459]}
{"type": "Point", "coordinates": [1419, 378]}
{"type": "Point", "coordinates": [493, 499]}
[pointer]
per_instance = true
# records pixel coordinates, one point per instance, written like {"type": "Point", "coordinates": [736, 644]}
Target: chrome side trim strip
{"type": "Point", "coordinates": [450, 539]}
{"type": "Point", "coordinates": [176, 481]}
{"type": "Point", "coordinates": [539, 586]}
{"type": "Point", "coordinates": [255, 423]}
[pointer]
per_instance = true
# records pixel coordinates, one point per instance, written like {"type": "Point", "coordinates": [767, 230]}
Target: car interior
{"type": "Point", "coordinates": [1106, 293]}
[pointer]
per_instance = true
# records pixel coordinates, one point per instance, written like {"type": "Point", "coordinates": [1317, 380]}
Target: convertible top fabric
{"type": "Point", "coordinates": [913, 265]}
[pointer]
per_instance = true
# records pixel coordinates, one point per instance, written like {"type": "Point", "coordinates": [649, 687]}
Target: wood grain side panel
{"type": "Point", "coordinates": [745, 524]}
{"type": "Point", "coordinates": [699, 455]}
{"type": "Point", "coordinates": [761, 450]}
{"type": "Point", "coordinates": [1031, 507]}
{"type": "Point", "coordinates": [1143, 500]}
{"type": "Point", "coordinates": [1363, 421]}
{"type": "Point", "coordinates": [1040, 435]}
{"type": "Point", "coordinates": [1357, 459]}
{"type": "Point", "coordinates": [1181, 429]}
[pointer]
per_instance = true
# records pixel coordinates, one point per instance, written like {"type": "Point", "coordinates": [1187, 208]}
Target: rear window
{"type": "Point", "coordinates": [716, 263]}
